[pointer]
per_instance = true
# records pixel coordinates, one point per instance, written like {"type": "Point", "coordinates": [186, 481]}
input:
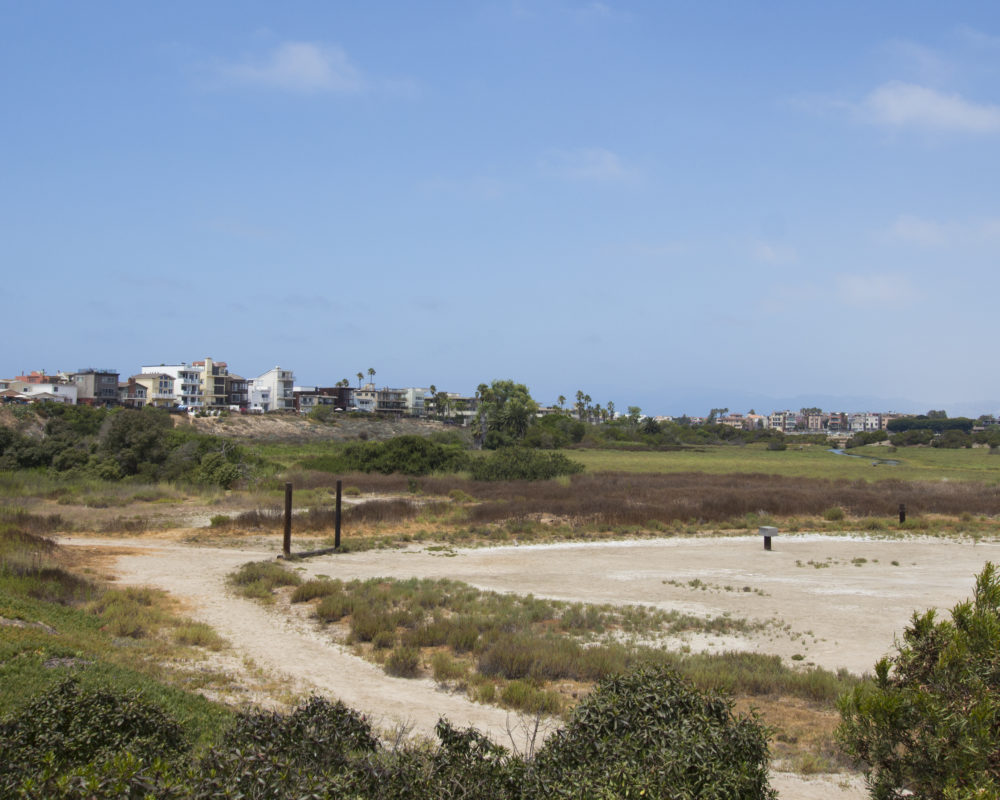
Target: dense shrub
{"type": "Point", "coordinates": [410, 455]}
{"type": "Point", "coordinates": [521, 464]}
{"type": "Point", "coordinates": [648, 734]}
{"type": "Point", "coordinates": [70, 727]}
{"type": "Point", "coordinates": [928, 723]}
{"type": "Point", "coordinates": [121, 443]}
{"type": "Point", "coordinates": [645, 734]}
{"type": "Point", "coordinates": [867, 437]}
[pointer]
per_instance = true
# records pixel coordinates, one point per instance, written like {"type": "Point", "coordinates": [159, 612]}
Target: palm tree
{"type": "Point", "coordinates": [371, 375]}
{"type": "Point", "coordinates": [561, 401]}
{"type": "Point", "coordinates": [361, 375]}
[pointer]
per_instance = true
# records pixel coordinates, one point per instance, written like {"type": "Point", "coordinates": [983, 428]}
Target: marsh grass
{"type": "Point", "coordinates": [131, 612]}
{"type": "Point", "coordinates": [487, 641]}
{"type": "Point", "coordinates": [198, 634]}
{"type": "Point", "coordinates": [259, 579]}
{"type": "Point", "coordinates": [644, 504]}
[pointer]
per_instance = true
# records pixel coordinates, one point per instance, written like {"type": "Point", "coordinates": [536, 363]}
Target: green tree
{"type": "Point", "coordinates": [503, 413]}
{"type": "Point", "coordinates": [714, 413]}
{"type": "Point", "coordinates": [561, 401]}
{"type": "Point", "coordinates": [371, 375]}
{"type": "Point", "coordinates": [611, 410]}
{"type": "Point", "coordinates": [361, 377]}
{"type": "Point", "coordinates": [928, 723]}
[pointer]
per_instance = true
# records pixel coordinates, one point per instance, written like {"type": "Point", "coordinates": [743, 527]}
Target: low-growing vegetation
{"type": "Point", "coordinates": [644, 734]}
{"type": "Point", "coordinates": [498, 646]}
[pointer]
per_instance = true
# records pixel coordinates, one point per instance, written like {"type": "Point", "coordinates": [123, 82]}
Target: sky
{"type": "Point", "coordinates": [673, 205]}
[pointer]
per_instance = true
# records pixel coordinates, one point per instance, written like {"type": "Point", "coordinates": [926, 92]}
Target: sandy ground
{"type": "Point", "coordinates": [844, 614]}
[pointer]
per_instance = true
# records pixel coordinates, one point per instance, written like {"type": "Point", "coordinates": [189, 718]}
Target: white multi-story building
{"type": "Point", "coordinates": [187, 391]}
{"type": "Point", "coordinates": [273, 391]}
{"type": "Point", "coordinates": [414, 399]}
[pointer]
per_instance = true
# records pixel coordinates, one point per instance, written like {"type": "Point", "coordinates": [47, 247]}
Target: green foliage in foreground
{"type": "Point", "coordinates": [645, 734]}
{"type": "Point", "coordinates": [928, 724]}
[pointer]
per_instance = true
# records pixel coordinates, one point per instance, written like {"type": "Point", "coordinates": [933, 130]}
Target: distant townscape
{"type": "Point", "coordinates": [207, 387]}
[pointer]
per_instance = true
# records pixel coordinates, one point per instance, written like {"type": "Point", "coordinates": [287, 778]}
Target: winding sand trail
{"type": "Point", "coordinates": [836, 601]}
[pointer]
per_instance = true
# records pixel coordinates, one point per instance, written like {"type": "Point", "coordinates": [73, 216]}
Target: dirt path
{"type": "Point", "coordinates": [836, 601]}
{"type": "Point", "coordinates": [289, 646]}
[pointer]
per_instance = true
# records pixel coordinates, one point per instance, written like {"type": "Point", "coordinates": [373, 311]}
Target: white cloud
{"type": "Point", "coordinates": [977, 37]}
{"type": "Point", "coordinates": [864, 291]}
{"type": "Point", "coordinates": [587, 163]}
{"type": "Point", "coordinates": [298, 67]}
{"type": "Point", "coordinates": [898, 104]}
{"type": "Point", "coordinates": [931, 233]}
{"type": "Point", "coordinates": [914, 230]}
{"type": "Point", "coordinates": [920, 61]}
{"type": "Point", "coordinates": [770, 253]}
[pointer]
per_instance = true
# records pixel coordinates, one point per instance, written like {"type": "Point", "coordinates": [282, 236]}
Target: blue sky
{"type": "Point", "coordinates": [671, 205]}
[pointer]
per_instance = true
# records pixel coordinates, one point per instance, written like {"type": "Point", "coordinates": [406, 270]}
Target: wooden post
{"type": "Point", "coordinates": [336, 535]}
{"type": "Point", "coordinates": [902, 513]}
{"type": "Point", "coordinates": [287, 547]}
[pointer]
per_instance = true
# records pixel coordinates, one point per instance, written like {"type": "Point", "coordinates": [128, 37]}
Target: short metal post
{"type": "Point", "coordinates": [336, 535]}
{"type": "Point", "coordinates": [287, 547]}
{"type": "Point", "coordinates": [902, 513]}
{"type": "Point", "coordinates": [767, 531]}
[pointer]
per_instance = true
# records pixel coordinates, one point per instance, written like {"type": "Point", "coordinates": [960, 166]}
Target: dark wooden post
{"type": "Point", "coordinates": [336, 535]}
{"type": "Point", "coordinates": [902, 513]}
{"type": "Point", "coordinates": [287, 547]}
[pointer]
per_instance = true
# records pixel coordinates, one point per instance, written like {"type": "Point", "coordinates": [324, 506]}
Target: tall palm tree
{"type": "Point", "coordinates": [361, 376]}
{"type": "Point", "coordinates": [561, 401]}
{"type": "Point", "coordinates": [371, 375]}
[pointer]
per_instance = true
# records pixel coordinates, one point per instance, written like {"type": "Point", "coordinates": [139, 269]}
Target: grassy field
{"type": "Point", "coordinates": [805, 461]}
{"type": "Point", "coordinates": [809, 461]}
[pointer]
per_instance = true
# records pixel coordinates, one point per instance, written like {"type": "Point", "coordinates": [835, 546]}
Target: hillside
{"type": "Point", "coordinates": [290, 428]}
{"type": "Point", "coordinates": [293, 428]}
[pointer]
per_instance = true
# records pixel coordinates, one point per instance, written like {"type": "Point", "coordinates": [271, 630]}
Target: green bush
{"type": "Point", "coordinates": [403, 662]}
{"type": "Point", "coordinates": [928, 723]}
{"type": "Point", "coordinates": [521, 464]}
{"type": "Point", "coordinates": [259, 579]}
{"type": "Point", "coordinates": [649, 734]}
{"type": "Point", "coordinates": [70, 727]}
{"type": "Point", "coordinates": [410, 455]}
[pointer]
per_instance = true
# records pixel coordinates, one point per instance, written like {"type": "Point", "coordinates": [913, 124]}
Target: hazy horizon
{"type": "Point", "coordinates": [662, 205]}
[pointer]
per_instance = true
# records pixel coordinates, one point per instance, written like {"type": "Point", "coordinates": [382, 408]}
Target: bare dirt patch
{"type": "Point", "coordinates": [844, 613]}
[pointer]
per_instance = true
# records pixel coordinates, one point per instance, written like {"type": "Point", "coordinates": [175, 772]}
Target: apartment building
{"type": "Point", "coordinates": [272, 391]}
{"type": "Point", "coordinates": [151, 388]}
{"type": "Point", "coordinates": [95, 387]}
{"type": "Point", "coordinates": [188, 392]}
{"type": "Point", "coordinates": [132, 394]}
{"type": "Point", "coordinates": [838, 422]}
{"type": "Point", "coordinates": [414, 399]}
{"type": "Point", "coordinates": [306, 398]}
